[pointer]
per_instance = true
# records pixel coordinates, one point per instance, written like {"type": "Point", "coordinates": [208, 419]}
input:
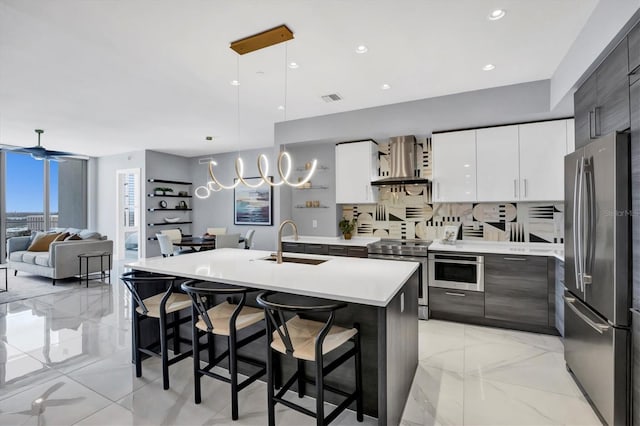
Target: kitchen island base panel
{"type": "Point", "coordinates": [389, 345]}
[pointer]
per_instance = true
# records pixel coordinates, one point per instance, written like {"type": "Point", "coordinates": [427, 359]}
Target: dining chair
{"type": "Point", "coordinates": [175, 235]}
{"type": "Point", "coordinates": [165, 307]}
{"type": "Point", "coordinates": [167, 248]}
{"type": "Point", "coordinates": [307, 340]}
{"type": "Point", "coordinates": [217, 231]}
{"type": "Point", "coordinates": [248, 239]}
{"type": "Point", "coordinates": [231, 319]}
{"type": "Point", "coordinates": [227, 241]}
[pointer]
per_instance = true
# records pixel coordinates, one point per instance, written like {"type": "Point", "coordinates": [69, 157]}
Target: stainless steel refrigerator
{"type": "Point", "coordinates": [597, 279]}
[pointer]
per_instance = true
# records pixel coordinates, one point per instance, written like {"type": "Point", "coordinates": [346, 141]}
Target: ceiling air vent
{"type": "Point", "coordinates": [333, 97]}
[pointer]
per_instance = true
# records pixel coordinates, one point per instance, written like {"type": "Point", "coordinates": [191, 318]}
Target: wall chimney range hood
{"type": "Point", "coordinates": [403, 163]}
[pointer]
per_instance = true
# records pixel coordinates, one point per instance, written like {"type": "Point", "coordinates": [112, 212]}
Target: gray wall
{"type": "Point", "coordinates": [103, 182]}
{"type": "Point", "coordinates": [500, 105]}
{"type": "Point", "coordinates": [167, 167]}
{"type": "Point", "coordinates": [217, 210]}
{"type": "Point", "coordinates": [327, 218]}
{"type": "Point", "coordinates": [72, 193]}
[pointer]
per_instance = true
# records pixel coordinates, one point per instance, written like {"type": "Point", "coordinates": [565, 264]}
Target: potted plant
{"type": "Point", "coordinates": [161, 191]}
{"type": "Point", "coordinates": [346, 227]}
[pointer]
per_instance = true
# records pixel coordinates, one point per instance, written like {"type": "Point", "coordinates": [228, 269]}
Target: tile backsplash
{"type": "Point", "coordinates": [407, 212]}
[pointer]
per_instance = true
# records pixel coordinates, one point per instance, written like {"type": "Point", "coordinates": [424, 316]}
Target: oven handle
{"type": "Point", "coordinates": [398, 257]}
{"type": "Point", "coordinates": [457, 262]}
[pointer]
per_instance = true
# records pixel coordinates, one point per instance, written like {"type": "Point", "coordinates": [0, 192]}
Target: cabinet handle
{"type": "Point", "coordinates": [515, 188]}
{"type": "Point", "coordinates": [596, 122]}
{"type": "Point", "coordinates": [454, 294]}
{"type": "Point", "coordinates": [591, 121]}
{"type": "Point", "coordinates": [526, 189]}
{"type": "Point", "coordinates": [523, 259]}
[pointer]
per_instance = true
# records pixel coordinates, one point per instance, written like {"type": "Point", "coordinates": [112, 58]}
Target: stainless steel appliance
{"type": "Point", "coordinates": [597, 293]}
{"type": "Point", "coordinates": [408, 251]}
{"type": "Point", "coordinates": [456, 271]}
{"type": "Point", "coordinates": [403, 161]}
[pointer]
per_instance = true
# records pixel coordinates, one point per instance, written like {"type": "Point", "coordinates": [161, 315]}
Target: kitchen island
{"type": "Point", "coordinates": [380, 295]}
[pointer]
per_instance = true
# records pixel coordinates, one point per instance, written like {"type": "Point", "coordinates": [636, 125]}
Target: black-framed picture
{"type": "Point", "coordinates": [253, 206]}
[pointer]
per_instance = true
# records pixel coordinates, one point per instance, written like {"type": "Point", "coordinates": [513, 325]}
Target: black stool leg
{"type": "Point", "coordinates": [301, 378]}
{"type": "Point", "coordinates": [164, 353]}
{"type": "Point", "coordinates": [233, 373]}
{"type": "Point", "coordinates": [358, 362]}
{"type": "Point", "coordinates": [176, 333]}
{"type": "Point", "coordinates": [270, 378]}
{"type": "Point", "coordinates": [196, 357]}
{"type": "Point", "coordinates": [319, 391]}
{"type": "Point", "coordinates": [136, 341]}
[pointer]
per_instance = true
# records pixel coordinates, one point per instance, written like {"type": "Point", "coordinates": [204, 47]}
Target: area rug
{"type": "Point", "coordinates": [25, 286]}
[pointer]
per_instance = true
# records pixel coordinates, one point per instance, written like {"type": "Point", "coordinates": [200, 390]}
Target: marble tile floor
{"type": "Point", "coordinates": [65, 360]}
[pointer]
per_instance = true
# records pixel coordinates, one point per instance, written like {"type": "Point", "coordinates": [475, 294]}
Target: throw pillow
{"type": "Point", "coordinates": [62, 236]}
{"type": "Point", "coordinates": [73, 237]}
{"type": "Point", "coordinates": [43, 243]}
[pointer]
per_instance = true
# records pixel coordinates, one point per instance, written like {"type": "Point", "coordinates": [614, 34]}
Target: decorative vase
{"type": "Point", "coordinates": [347, 235]}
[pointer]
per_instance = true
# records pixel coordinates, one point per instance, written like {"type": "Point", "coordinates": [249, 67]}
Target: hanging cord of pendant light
{"type": "Point", "coordinates": [284, 172]}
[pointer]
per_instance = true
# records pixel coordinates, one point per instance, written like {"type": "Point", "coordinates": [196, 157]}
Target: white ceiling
{"type": "Point", "coordinates": [112, 76]}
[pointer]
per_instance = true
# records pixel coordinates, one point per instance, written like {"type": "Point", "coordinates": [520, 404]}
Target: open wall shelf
{"type": "Point", "coordinates": [173, 196]}
{"type": "Point", "coordinates": [169, 210]}
{"type": "Point", "coordinates": [175, 182]}
{"type": "Point", "coordinates": [167, 223]}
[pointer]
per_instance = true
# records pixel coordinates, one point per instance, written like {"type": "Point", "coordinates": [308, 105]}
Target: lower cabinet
{"type": "Point", "coordinates": [520, 292]}
{"type": "Point", "coordinates": [293, 247]}
{"type": "Point", "coordinates": [325, 249]}
{"type": "Point", "coordinates": [516, 289]}
{"type": "Point", "coordinates": [456, 302]}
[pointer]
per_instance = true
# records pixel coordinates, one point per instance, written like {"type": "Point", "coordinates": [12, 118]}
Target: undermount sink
{"type": "Point", "coordinates": [288, 259]}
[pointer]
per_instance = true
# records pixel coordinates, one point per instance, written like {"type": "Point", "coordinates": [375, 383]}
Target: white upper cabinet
{"type": "Point", "coordinates": [542, 150]}
{"type": "Point", "coordinates": [454, 166]}
{"type": "Point", "coordinates": [356, 167]}
{"type": "Point", "coordinates": [497, 163]}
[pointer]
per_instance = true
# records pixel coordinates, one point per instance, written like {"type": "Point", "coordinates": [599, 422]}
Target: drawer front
{"type": "Point", "coordinates": [316, 249]}
{"type": "Point", "coordinates": [358, 252]}
{"type": "Point", "coordinates": [458, 302]}
{"type": "Point", "coordinates": [293, 247]}
{"type": "Point", "coordinates": [338, 251]}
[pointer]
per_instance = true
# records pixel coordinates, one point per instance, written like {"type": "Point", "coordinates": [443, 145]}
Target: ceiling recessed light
{"type": "Point", "coordinates": [281, 107]}
{"type": "Point", "coordinates": [497, 14]}
{"type": "Point", "coordinates": [488, 67]}
{"type": "Point", "coordinates": [467, 165]}
{"type": "Point", "coordinates": [235, 83]}
{"type": "Point", "coordinates": [293, 65]}
{"type": "Point", "coordinates": [385, 86]}
{"type": "Point", "coordinates": [362, 49]}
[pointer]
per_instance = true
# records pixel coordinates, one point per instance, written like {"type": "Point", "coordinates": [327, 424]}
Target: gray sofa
{"type": "Point", "coordinates": [61, 261]}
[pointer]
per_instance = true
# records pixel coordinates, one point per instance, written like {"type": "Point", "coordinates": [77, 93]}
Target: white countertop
{"type": "Point", "coordinates": [348, 279]}
{"type": "Point", "coordinates": [337, 241]}
{"type": "Point", "coordinates": [529, 249]}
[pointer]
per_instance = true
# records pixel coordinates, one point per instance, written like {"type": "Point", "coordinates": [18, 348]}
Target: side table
{"type": "Point", "coordinates": [94, 254]}
{"type": "Point", "coordinates": [4, 266]}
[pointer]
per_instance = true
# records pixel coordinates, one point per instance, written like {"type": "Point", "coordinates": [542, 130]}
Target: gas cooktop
{"type": "Point", "coordinates": [400, 247]}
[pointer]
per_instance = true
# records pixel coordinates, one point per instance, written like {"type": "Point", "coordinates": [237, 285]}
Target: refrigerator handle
{"type": "Point", "coordinates": [577, 213]}
{"type": "Point", "coordinates": [591, 223]}
{"type": "Point", "coordinates": [581, 225]}
{"type": "Point", "coordinates": [600, 328]}
{"type": "Point", "coordinates": [574, 221]}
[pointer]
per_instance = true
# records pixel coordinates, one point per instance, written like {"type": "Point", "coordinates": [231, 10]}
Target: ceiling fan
{"type": "Point", "coordinates": [38, 152]}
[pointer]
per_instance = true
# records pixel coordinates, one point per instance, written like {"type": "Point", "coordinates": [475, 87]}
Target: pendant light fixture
{"type": "Point", "coordinates": [284, 162]}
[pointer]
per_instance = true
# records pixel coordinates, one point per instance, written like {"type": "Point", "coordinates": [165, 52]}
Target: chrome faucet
{"type": "Point", "coordinates": [295, 237]}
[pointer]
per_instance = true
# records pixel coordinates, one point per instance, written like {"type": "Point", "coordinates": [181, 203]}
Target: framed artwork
{"type": "Point", "coordinates": [253, 206]}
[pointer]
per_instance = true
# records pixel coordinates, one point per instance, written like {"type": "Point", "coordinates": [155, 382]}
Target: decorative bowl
{"type": "Point", "coordinates": [172, 219]}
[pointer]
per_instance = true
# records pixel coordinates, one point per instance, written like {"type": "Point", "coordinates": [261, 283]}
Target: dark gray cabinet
{"type": "Point", "coordinates": [634, 49]}
{"type": "Point", "coordinates": [445, 302]}
{"type": "Point", "coordinates": [601, 104]}
{"type": "Point", "coordinates": [325, 249]}
{"type": "Point", "coordinates": [516, 289]}
{"type": "Point", "coordinates": [635, 190]}
{"type": "Point", "coordinates": [316, 249]}
{"type": "Point", "coordinates": [635, 366]}
{"type": "Point", "coordinates": [293, 247]}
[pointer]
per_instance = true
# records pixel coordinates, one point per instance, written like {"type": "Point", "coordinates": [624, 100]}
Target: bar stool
{"type": "Point", "coordinates": [224, 319]}
{"type": "Point", "coordinates": [159, 307]}
{"type": "Point", "coordinates": [309, 340]}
